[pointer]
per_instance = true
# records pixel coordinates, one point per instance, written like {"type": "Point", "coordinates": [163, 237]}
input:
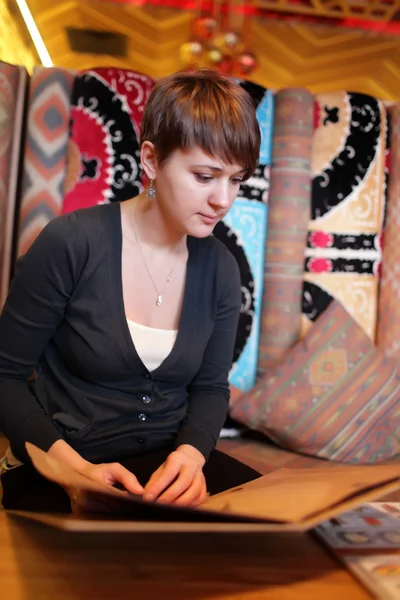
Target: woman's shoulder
{"type": "Point", "coordinates": [99, 216]}
{"type": "Point", "coordinates": [73, 236]}
{"type": "Point", "coordinates": [88, 218]}
{"type": "Point", "coordinates": [85, 225]}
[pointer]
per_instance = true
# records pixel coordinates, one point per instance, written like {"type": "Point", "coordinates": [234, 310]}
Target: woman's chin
{"type": "Point", "coordinates": [201, 230]}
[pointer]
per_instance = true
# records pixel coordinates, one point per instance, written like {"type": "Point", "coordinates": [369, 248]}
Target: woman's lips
{"type": "Point", "coordinates": [209, 219]}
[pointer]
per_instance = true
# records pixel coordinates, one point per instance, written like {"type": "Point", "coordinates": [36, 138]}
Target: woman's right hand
{"type": "Point", "coordinates": [112, 473]}
{"type": "Point", "coordinates": [106, 473]}
{"type": "Point", "coordinates": [83, 501]}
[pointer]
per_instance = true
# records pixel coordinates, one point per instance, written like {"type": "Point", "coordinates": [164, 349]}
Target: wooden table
{"type": "Point", "coordinates": [41, 563]}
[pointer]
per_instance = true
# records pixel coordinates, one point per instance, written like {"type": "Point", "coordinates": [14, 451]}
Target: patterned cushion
{"type": "Point", "coordinates": [335, 395]}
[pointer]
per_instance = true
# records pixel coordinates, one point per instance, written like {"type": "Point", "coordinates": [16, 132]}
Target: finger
{"type": "Point", "coordinates": [126, 478]}
{"type": "Point", "coordinates": [193, 494]}
{"type": "Point", "coordinates": [201, 497]}
{"type": "Point", "coordinates": [161, 479]}
{"type": "Point", "coordinates": [180, 485]}
{"type": "Point", "coordinates": [204, 494]}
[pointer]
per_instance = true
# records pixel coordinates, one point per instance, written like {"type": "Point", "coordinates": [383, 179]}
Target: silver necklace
{"type": "Point", "coordinates": [168, 279]}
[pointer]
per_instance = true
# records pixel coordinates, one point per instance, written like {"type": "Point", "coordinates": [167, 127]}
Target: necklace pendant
{"type": "Point", "coordinates": [159, 300]}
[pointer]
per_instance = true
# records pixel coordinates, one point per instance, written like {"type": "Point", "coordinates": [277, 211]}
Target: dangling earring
{"type": "Point", "coordinates": [151, 192]}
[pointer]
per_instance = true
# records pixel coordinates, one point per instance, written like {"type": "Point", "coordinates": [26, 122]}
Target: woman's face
{"type": "Point", "coordinates": [194, 190]}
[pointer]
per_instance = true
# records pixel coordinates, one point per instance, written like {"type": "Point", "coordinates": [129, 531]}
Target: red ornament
{"type": "Point", "coordinates": [225, 66]}
{"type": "Point", "coordinates": [245, 63]}
{"type": "Point", "coordinates": [204, 28]}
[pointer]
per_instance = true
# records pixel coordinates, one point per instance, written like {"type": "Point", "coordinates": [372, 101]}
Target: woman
{"type": "Point", "coordinates": [126, 315]}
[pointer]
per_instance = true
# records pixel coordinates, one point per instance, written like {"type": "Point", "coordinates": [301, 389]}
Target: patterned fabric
{"type": "Point", "coordinates": [388, 332]}
{"type": "Point", "coordinates": [243, 231]}
{"type": "Point", "coordinates": [288, 217]}
{"type": "Point", "coordinates": [335, 395]}
{"type": "Point", "coordinates": [343, 255]}
{"type": "Point", "coordinates": [45, 152]}
{"type": "Point", "coordinates": [13, 82]}
{"type": "Point", "coordinates": [104, 152]}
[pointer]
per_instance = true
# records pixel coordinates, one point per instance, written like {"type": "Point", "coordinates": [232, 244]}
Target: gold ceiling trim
{"type": "Point", "coordinates": [373, 10]}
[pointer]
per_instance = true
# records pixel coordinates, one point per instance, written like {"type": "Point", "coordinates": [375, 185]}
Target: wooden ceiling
{"type": "Point", "coordinates": [290, 54]}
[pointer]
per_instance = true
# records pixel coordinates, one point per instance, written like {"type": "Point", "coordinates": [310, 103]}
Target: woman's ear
{"type": "Point", "coordinates": [148, 160]}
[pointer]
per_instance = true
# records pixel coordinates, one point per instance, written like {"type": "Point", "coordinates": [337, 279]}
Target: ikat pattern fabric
{"type": "Point", "coordinates": [45, 159]}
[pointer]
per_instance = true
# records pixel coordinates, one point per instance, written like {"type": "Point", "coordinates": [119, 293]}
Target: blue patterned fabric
{"type": "Point", "coordinates": [244, 232]}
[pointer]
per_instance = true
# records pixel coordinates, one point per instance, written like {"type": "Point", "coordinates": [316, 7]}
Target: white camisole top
{"type": "Point", "coordinates": [152, 345]}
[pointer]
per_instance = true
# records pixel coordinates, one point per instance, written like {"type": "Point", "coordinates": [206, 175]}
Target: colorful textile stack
{"type": "Point", "coordinates": [343, 254]}
{"type": "Point", "coordinates": [13, 83]}
{"type": "Point", "coordinates": [103, 149]}
{"type": "Point", "coordinates": [334, 394]}
{"type": "Point", "coordinates": [244, 231]}
{"type": "Point", "coordinates": [45, 160]}
{"type": "Point", "coordinates": [288, 218]}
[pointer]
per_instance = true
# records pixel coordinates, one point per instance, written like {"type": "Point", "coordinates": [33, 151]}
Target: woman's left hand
{"type": "Point", "coordinates": [179, 480]}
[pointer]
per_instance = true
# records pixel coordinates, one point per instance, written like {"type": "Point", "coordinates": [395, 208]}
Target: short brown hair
{"type": "Point", "coordinates": [206, 109]}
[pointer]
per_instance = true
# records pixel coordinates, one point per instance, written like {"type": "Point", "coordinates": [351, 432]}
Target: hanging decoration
{"type": "Point", "coordinates": [216, 44]}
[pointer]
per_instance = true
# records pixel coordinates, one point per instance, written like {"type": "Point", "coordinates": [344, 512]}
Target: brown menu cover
{"type": "Point", "coordinates": [284, 500]}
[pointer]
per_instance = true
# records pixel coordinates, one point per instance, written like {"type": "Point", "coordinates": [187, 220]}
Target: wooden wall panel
{"type": "Point", "coordinates": [13, 47]}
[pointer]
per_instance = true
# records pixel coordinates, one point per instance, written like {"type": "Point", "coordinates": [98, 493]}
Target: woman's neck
{"type": "Point", "coordinates": [151, 226]}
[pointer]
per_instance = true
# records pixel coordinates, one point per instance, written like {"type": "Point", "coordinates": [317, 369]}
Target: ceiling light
{"type": "Point", "coordinates": [34, 33]}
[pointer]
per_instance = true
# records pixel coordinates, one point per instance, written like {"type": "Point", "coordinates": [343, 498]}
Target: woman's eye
{"type": "Point", "coordinates": [203, 178]}
{"type": "Point", "coordinates": [237, 180]}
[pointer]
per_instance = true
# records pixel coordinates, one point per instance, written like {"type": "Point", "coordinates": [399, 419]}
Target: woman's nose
{"type": "Point", "coordinates": [223, 195]}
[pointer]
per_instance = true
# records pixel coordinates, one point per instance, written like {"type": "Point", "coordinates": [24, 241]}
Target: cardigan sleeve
{"type": "Point", "coordinates": [44, 281]}
{"type": "Point", "coordinates": [208, 393]}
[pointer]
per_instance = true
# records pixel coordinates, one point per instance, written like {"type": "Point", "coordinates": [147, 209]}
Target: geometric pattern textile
{"type": "Point", "coordinates": [13, 82]}
{"type": "Point", "coordinates": [45, 158]}
{"type": "Point", "coordinates": [288, 219]}
{"type": "Point", "coordinates": [388, 331]}
{"type": "Point", "coordinates": [334, 395]}
{"type": "Point", "coordinates": [103, 148]}
{"type": "Point", "coordinates": [343, 253]}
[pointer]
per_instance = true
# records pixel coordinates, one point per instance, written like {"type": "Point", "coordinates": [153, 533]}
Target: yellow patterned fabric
{"type": "Point", "coordinates": [343, 254]}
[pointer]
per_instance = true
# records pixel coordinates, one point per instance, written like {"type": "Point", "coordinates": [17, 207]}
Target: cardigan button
{"type": "Point", "coordinates": [142, 417]}
{"type": "Point", "coordinates": [146, 399]}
